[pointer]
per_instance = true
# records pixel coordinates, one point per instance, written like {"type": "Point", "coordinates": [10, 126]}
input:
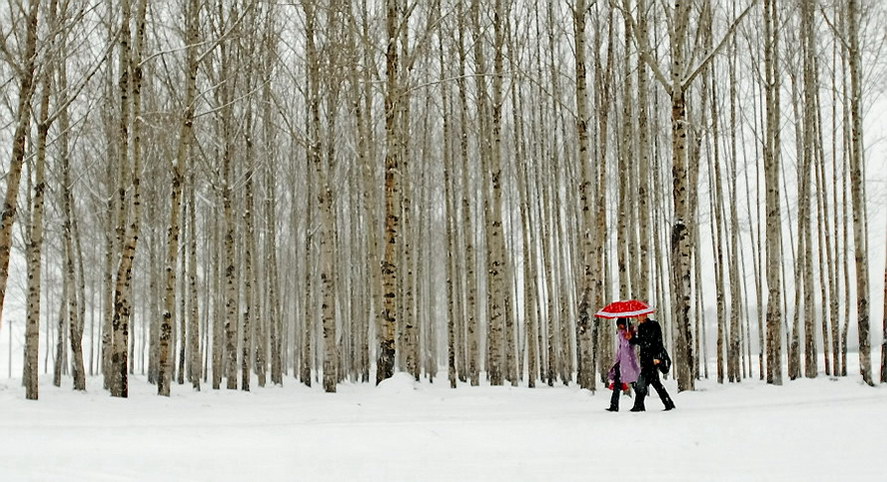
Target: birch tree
{"type": "Point", "coordinates": [884, 331]}
{"type": "Point", "coordinates": [682, 74]}
{"type": "Point", "coordinates": [771, 181]}
{"type": "Point", "coordinates": [120, 323]}
{"type": "Point", "coordinates": [178, 168]}
{"type": "Point", "coordinates": [34, 245]}
{"type": "Point", "coordinates": [857, 183]}
{"type": "Point", "coordinates": [27, 86]}
{"type": "Point", "coordinates": [388, 321]}
{"type": "Point", "coordinates": [586, 367]}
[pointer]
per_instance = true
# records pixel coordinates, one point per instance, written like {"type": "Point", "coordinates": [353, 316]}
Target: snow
{"type": "Point", "coordinates": [402, 430]}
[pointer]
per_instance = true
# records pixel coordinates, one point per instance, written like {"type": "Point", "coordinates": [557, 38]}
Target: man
{"type": "Point", "coordinates": [649, 338]}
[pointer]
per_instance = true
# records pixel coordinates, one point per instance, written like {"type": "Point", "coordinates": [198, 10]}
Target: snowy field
{"type": "Point", "coordinates": [820, 429]}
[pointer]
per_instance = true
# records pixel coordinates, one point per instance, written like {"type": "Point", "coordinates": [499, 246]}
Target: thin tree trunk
{"type": "Point", "coordinates": [183, 296]}
{"type": "Point", "coordinates": [193, 340]}
{"type": "Point", "coordinates": [834, 254]}
{"type": "Point", "coordinates": [33, 250]}
{"type": "Point", "coordinates": [219, 318]}
{"type": "Point", "coordinates": [774, 218]}
{"type": "Point", "coordinates": [586, 367]}
{"type": "Point", "coordinates": [468, 191]}
{"type": "Point", "coordinates": [604, 76]}
{"type": "Point", "coordinates": [388, 321]}
{"type": "Point", "coordinates": [269, 205]}
{"type": "Point", "coordinates": [801, 260]}
{"type": "Point", "coordinates": [178, 169]}
{"type": "Point", "coordinates": [450, 218]}
{"type": "Point", "coordinates": [643, 149]}
{"type": "Point", "coordinates": [130, 64]}
{"type": "Point", "coordinates": [846, 153]}
{"type": "Point", "coordinates": [498, 315]}
{"type": "Point", "coordinates": [14, 174]}
{"type": "Point", "coordinates": [249, 311]}
{"type": "Point", "coordinates": [736, 258]}
{"type": "Point", "coordinates": [75, 311]}
{"type": "Point", "coordinates": [857, 183]}
{"type": "Point", "coordinates": [809, 84]}
{"type": "Point", "coordinates": [884, 330]}
{"type": "Point", "coordinates": [230, 275]}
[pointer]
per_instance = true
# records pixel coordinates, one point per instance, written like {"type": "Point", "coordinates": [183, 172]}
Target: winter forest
{"type": "Point", "coordinates": [317, 227]}
{"type": "Point", "coordinates": [242, 193]}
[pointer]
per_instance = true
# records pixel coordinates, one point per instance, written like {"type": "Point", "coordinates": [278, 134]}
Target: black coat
{"type": "Point", "coordinates": [649, 338]}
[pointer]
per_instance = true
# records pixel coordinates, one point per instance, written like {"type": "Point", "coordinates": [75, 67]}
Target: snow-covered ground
{"type": "Point", "coordinates": [817, 429]}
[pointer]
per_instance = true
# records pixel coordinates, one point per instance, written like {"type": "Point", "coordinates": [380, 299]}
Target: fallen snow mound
{"type": "Point", "coordinates": [399, 383]}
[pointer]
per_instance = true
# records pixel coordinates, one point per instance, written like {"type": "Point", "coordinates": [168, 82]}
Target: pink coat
{"type": "Point", "coordinates": [626, 359]}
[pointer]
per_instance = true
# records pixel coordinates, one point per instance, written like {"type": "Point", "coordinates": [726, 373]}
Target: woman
{"type": "Point", "coordinates": [625, 365]}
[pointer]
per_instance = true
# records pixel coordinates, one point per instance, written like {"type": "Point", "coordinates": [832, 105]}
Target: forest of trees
{"type": "Point", "coordinates": [209, 191]}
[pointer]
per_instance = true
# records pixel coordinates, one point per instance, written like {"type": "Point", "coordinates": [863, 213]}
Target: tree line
{"type": "Point", "coordinates": [213, 191]}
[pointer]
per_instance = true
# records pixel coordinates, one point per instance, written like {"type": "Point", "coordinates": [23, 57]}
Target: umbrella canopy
{"type": "Point", "coordinates": [624, 309]}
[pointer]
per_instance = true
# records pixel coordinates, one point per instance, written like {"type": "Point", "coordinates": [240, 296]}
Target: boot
{"type": "Point", "coordinates": [639, 404]}
{"type": "Point", "coordinates": [666, 400]}
{"type": "Point", "coordinates": [640, 395]}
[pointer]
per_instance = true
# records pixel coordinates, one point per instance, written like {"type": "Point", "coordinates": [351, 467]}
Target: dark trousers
{"type": "Point", "coordinates": [617, 389]}
{"type": "Point", "coordinates": [650, 376]}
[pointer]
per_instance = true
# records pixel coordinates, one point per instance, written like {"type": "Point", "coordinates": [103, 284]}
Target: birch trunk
{"type": "Point", "coordinates": [34, 249]}
{"type": "Point", "coordinates": [194, 368]}
{"type": "Point", "coordinates": [809, 80]}
{"type": "Point", "coordinates": [388, 321]}
{"type": "Point", "coordinates": [367, 156]}
{"type": "Point", "coordinates": [884, 330]}
{"type": "Point", "coordinates": [269, 205]}
{"type": "Point", "coordinates": [724, 360]}
{"type": "Point", "coordinates": [77, 301]}
{"type": "Point", "coordinates": [219, 312]}
{"type": "Point", "coordinates": [468, 191]}
{"type": "Point", "coordinates": [834, 254]}
{"type": "Point", "coordinates": [249, 248]}
{"type": "Point", "coordinates": [497, 276]}
{"type": "Point", "coordinates": [826, 281]}
{"type": "Point", "coordinates": [408, 327]}
{"type": "Point", "coordinates": [586, 367]}
{"type": "Point", "coordinates": [14, 174]}
{"type": "Point", "coordinates": [178, 169]}
{"type": "Point", "coordinates": [643, 159]}
{"type": "Point", "coordinates": [771, 180]}
{"type": "Point", "coordinates": [846, 153]}
{"type": "Point", "coordinates": [531, 271]}
{"type": "Point", "coordinates": [681, 245]}
{"type": "Point", "coordinates": [857, 182]}
{"type": "Point", "coordinates": [604, 75]}
{"type": "Point", "coordinates": [231, 294]}
{"type": "Point", "coordinates": [120, 323]}
{"type": "Point", "coordinates": [450, 217]}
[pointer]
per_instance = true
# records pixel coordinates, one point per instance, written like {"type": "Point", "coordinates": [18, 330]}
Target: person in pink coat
{"type": "Point", "coordinates": [625, 369]}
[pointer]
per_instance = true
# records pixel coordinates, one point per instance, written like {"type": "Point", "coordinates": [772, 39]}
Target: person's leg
{"type": "Point", "coordinates": [617, 387]}
{"type": "Point", "coordinates": [640, 389]}
{"type": "Point", "coordinates": [663, 395]}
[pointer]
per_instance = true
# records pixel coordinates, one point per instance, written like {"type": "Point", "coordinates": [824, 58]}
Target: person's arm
{"type": "Point", "coordinates": [657, 342]}
{"type": "Point", "coordinates": [632, 337]}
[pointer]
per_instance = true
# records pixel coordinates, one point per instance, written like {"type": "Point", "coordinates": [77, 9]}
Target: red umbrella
{"type": "Point", "coordinates": [624, 309]}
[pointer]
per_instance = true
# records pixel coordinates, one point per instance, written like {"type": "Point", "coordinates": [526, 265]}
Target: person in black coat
{"type": "Point", "coordinates": [649, 338]}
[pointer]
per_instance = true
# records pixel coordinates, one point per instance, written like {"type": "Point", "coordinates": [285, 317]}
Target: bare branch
{"type": "Point", "coordinates": [641, 43]}
{"type": "Point", "coordinates": [689, 79]}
